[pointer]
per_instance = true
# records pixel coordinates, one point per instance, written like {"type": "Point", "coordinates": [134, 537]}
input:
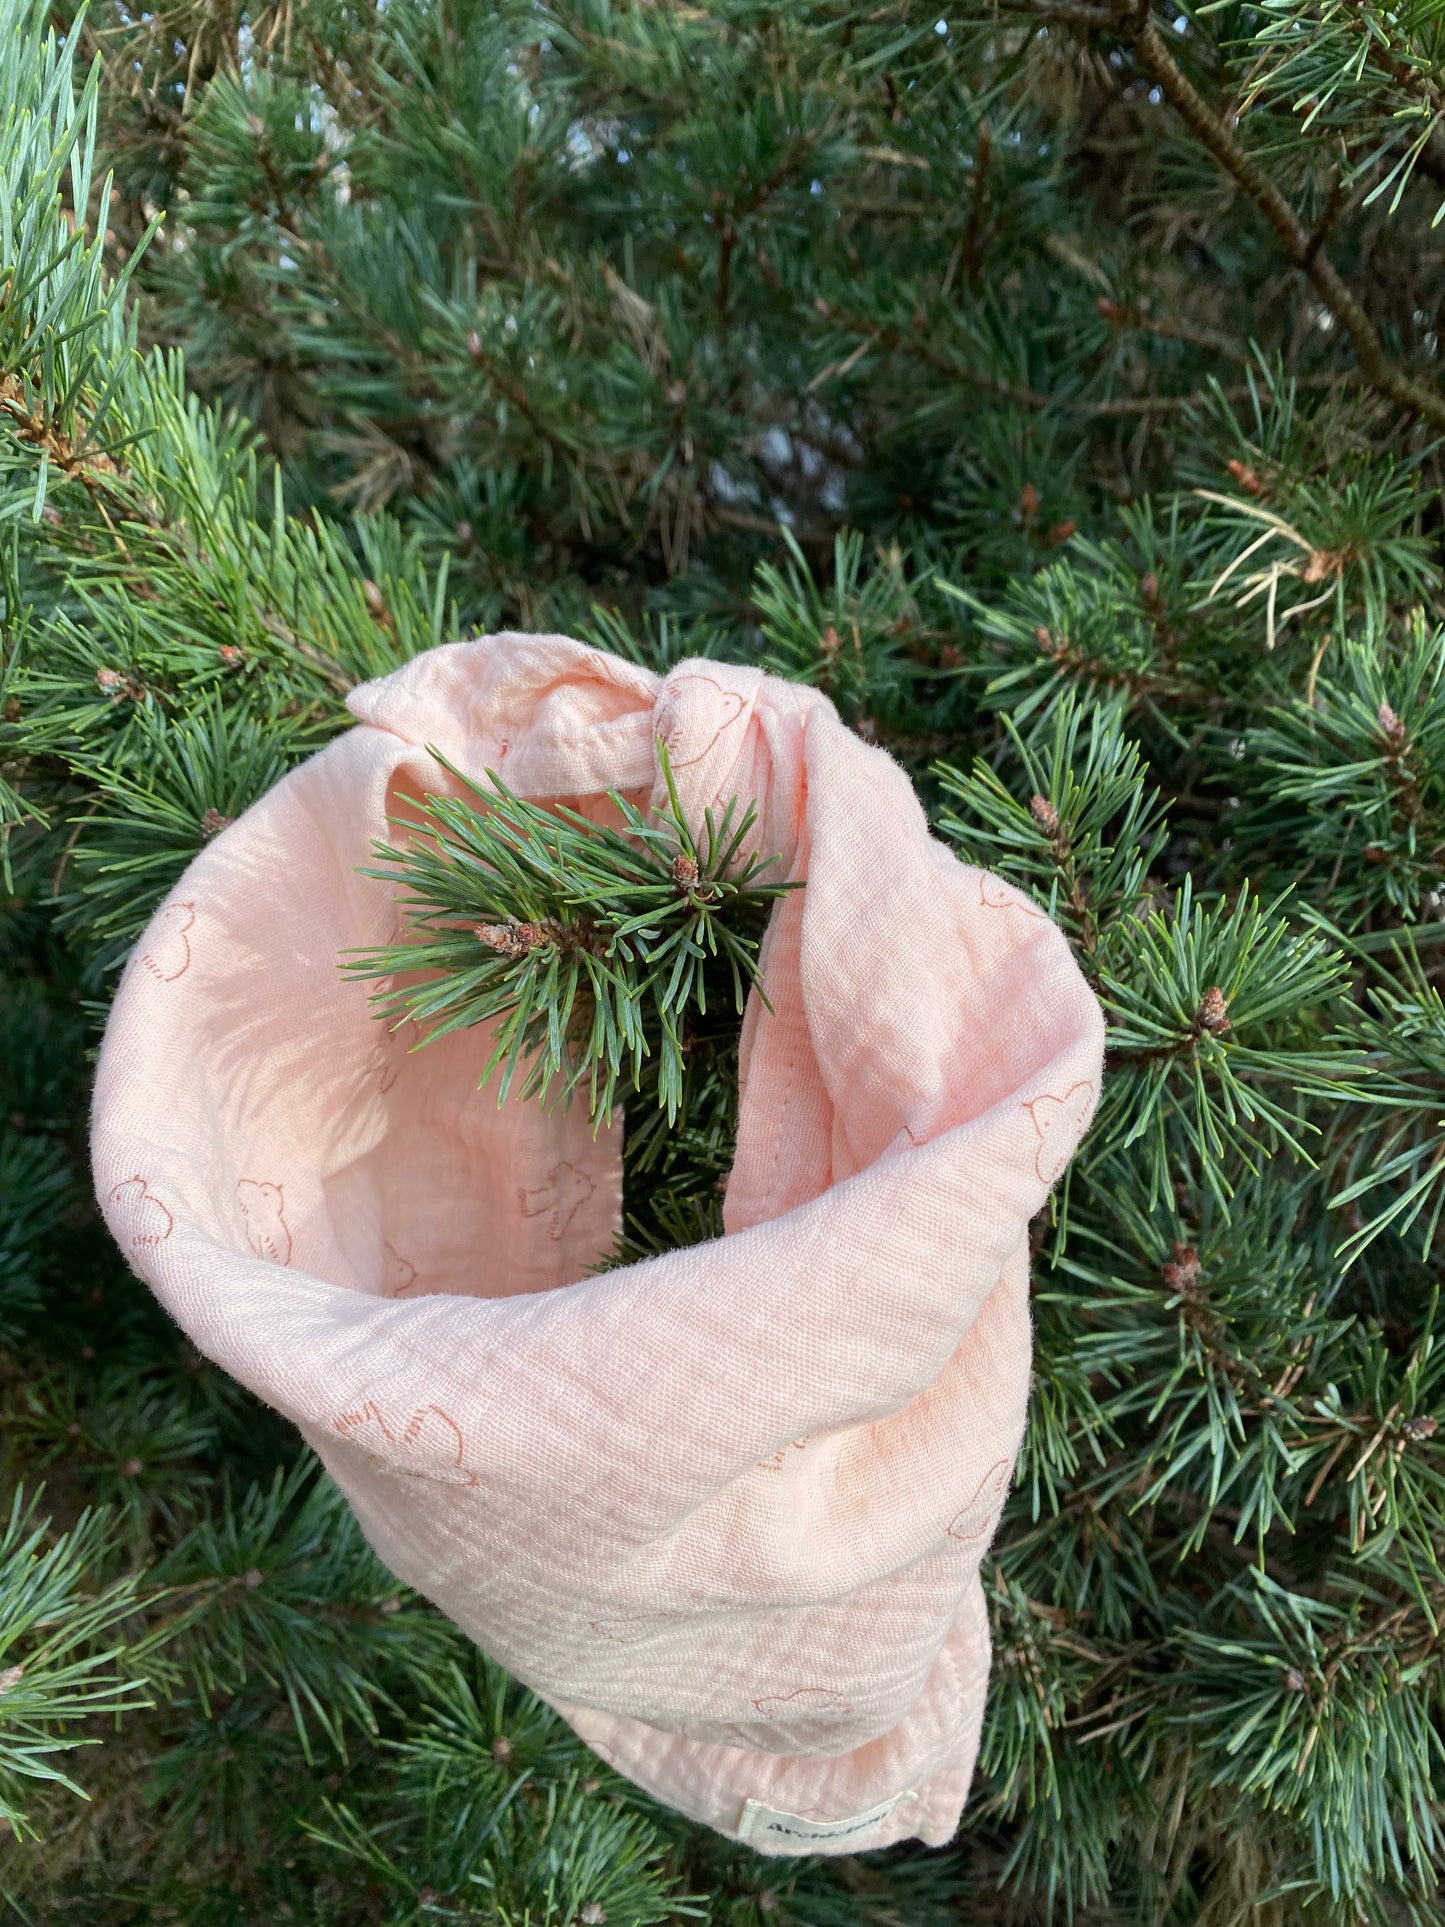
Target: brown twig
{"type": "Point", "coordinates": [894, 339]}
{"type": "Point", "coordinates": [1121, 317]}
{"type": "Point", "coordinates": [972, 252]}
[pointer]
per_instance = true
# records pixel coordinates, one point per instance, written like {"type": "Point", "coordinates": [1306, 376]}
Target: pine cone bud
{"type": "Point", "coordinates": [1060, 533]}
{"type": "Point", "coordinates": [1391, 728]}
{"type": "Point", "coordinates": [684, 870]}
{"type": "Point", "coordinates": [229, 653]}
{"type": "Point", "coordinates": [513, 939]}
{"type": "Point", "coordinates": [1045, 815]}
{"type": "Point", "coordinates": [375, 600]}
{"type": "Point", "coordinates": [1182, 1273]}
{"type": "Point", "coordinates": [474, 344]}
{"type": "Point", "coordinates": [1247, 478]}
{"type": "Point", "coordinates": [1213, 1012]}
{"type": "Point", "coordinates": [592, 1915]}
{"type": "Point", "coordinates": [1295, 1681]}
{"type": "Point", "coordinates": [1028, 506]}
{"type": "Point", "coordinates": [501, 1749]}
{"type": "Point", "coordinates": [1047, 641]}
{"type": "Point", "coordinates": [1416, 1431]}
{"type": "Point", "coordinates": [11, 1676]}
{"type": "Point", "coordinates": [829, 641]}
{"type": "Point", "coordinates": [212, 823]}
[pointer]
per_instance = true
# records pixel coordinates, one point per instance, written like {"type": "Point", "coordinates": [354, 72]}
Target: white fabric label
{"type": "Point", "coordinates": [765, 1823]}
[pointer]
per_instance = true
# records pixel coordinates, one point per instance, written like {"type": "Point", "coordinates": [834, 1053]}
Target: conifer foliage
{"type": "Point", "coordinates": [1054, 384]}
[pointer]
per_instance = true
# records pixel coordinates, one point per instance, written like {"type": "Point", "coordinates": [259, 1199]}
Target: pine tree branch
{"type": "Point", "coordinates": [1135, 23]}
{"type": "Point", "coordinates": [1299, 244]}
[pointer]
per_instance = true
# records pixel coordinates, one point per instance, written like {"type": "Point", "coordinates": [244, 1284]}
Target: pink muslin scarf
{"type": "Point", "coordinates": [724, 1510]}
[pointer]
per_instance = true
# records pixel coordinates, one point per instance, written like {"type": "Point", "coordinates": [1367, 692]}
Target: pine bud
{"type": "Point", "coordinates": [1045, 815]}
{"type": "Point", "coordinates": [592, 1915]}
{"type": "Point", "coordinates": [829, 641]}
{"type": "Point", "coordinates": [1028, 506]}
{"type": "Point", "coordinates": [109, 680]}
{"type": "Point", "coordinates": [684, 870]}
{"type": "Point", "coordinates": [1213, 1012]}
{"type": "Point", "coordinates": [250, 1580]}
{"type": "Point", "coordinates": [1060, 533]}
{"type": "Point", "coordinates": [1182, 1273]}
{"type": "Point", "coordinates": [1110, 310]}
{"type": "Point", "coordinates": [474, 344]}
{"type": "Point", "coordinates": [1391, 728]}
{"type": "Point", "coordinates": [1295, 1681]}
{"type": "Point", "coordinates": [375, 601]}
{"type": "Point", "coordinates": [132, 1468]}
{"type": "Point", "coordinates": [501, 1749]}
{"type": "Point", "coordinates": [1047, 641]}
{"type": "Point", "coordinates": [229, 653]}
{"type": "Point", "coordinates": [1417, 1431]}
{"type": "Point", "coordinates": [11, 1676]}
{"type": "Point", "coordinates": [1247, 478]}
{"type": "Point", "coordinates": [513, 939]}
{"type": "Point", "coordinates": [1321, 564]}
{"type": "Point", "coordinates": [212, 823]}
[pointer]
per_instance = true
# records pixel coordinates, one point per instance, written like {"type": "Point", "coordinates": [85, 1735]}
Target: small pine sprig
{"type": "Point", "coordinates": [62, 1650]}
{"type": "Point", "coordinates": [1090, 834]}
{"type": "Point", "coordinates": [595, 952]}
{"type": "Point", "coordinates": [1213, 1033]}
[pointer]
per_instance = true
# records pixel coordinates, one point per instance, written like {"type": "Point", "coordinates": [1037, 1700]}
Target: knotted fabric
{"type": "Point", "coordinates": [724, 1509]}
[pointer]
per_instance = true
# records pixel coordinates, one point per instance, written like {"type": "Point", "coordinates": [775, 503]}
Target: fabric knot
{"type": "Point", "coordinates": [731, 732]}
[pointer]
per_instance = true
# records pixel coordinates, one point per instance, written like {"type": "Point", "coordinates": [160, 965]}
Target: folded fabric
{"type": "Point", "coordinates": [725, 1509]}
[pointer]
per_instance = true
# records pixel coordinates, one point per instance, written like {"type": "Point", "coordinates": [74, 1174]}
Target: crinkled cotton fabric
{"type": "Point", "coordinates": [725, 1509]}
